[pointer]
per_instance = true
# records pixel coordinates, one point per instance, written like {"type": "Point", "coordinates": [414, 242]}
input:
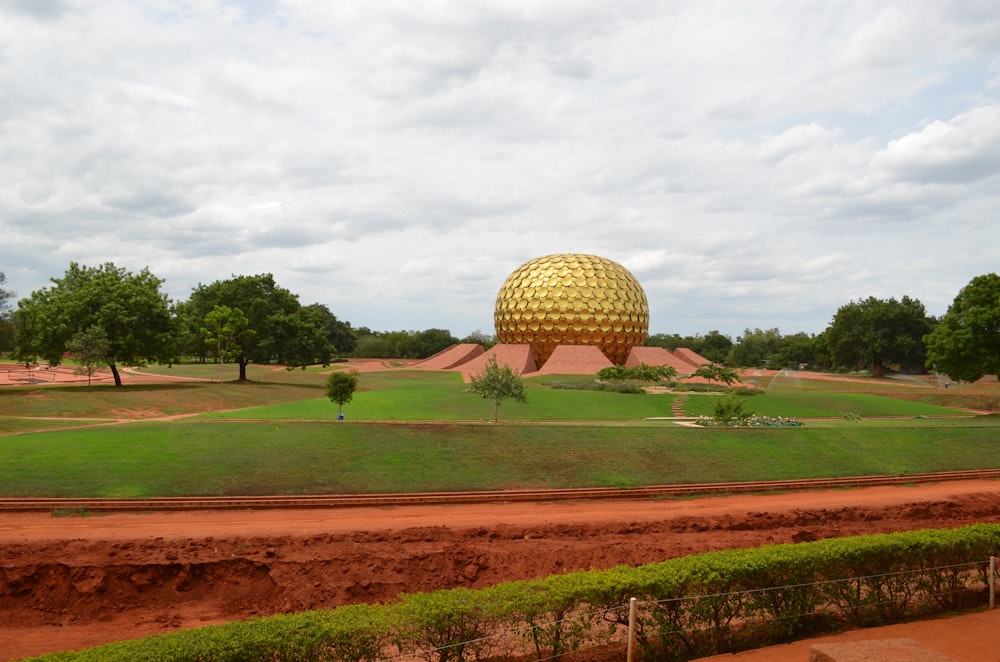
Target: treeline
{"type": "Point", "coordinates": [409, 344]}
{"type": "Point", "coordinates": [876, 335]}
{"type": "Point", "coordinates": [107, 316]}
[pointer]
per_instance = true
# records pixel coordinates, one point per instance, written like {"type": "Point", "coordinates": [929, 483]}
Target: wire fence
{"type": "Point", "coordinates": [693, 626]}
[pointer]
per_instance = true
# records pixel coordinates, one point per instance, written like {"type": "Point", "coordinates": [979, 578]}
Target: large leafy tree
{"type": "Point", "coordinates": [260, 300]}
{"type": "Point", "coordinates": [6, 325]}
{"type": "Point", "coordinates": [301, 337]}
{"type": "Point", "coordinates": [127, 308]}
{"type": "Point", "coordinates": [339, 335]}
{"type": "Point", "coordinates": [966, 343]}
{"type": "Point", "coordinates": [277, 328]}
{"type": "Point", "coordinates": [875, 333]}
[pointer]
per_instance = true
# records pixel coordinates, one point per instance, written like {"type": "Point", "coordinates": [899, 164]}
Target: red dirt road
{"type": "Point", "coordinates": [74, 582]}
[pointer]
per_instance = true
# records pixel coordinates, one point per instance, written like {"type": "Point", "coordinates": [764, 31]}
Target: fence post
{"type": "Point", "coordinates": [631, 629]}
{"type": "Point", "coordinates": [993, 581]}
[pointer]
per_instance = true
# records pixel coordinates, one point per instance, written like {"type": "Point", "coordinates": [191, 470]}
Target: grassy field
{"type": "Point", "coordinates": [424, 433]}
{"type": "Point", "coordinates": [213, 458]}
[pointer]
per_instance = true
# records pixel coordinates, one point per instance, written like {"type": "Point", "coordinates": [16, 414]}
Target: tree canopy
{"type": "Point", "coordinates": [714, 346]}
{"type": "Point", "coordinates": [276, 329]}
{"type": "Point", "coordinates": [876, 333]}
{"type": "Point", "coordinates": [639, 373]}
{"type": "Point", "coordinates": [128, 308]}
{"type": "Point", "coordinates": [965, 345]}
{"type": "Point", "coordinates": [402, 344]}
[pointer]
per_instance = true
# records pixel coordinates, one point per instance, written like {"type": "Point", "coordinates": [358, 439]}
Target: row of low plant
{"type": "Point", "coordinates": [698, 387]}
{"type": "Point", "coordinates": [731, 412]}
{"type": "Point", "coordinates": [689, 607]}
{"type": "Point", "coordinates": [597, 385]}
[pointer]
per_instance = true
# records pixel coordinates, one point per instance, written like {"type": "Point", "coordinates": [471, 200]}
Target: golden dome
{"type": "Point", "coordinates": [571, 299]}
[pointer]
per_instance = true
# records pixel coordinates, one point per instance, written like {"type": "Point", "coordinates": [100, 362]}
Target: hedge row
{"type": "Point", "coordinates": [689, 607]}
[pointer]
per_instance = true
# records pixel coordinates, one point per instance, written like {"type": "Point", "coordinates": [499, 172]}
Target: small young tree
{"type": "Point", "coordinates": [497, 384]}
{"type": "Point", "coordinates": [340, 387]}
{"type": "Point", "coordinates": [91, 349]}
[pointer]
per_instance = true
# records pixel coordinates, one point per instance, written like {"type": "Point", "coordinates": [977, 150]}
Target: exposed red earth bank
{"type": "Point", "coordinates": [74, 582]}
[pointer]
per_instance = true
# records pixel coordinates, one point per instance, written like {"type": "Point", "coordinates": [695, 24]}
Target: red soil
{"type": "Point", "coordinates": [575, 360]}
{"type": "Point", "coordinates": [74, 582]}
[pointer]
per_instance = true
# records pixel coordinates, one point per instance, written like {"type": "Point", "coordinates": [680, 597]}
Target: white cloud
{"type": "Point", "coordinates": [754, 165]}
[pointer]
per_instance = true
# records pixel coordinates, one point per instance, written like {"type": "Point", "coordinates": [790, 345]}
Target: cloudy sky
{"type": "Point", "coordinates": [753, 164]}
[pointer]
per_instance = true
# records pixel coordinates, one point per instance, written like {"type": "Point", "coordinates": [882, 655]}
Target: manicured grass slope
{"type": "Point", "coordinates": [177, 458]}
{"type": "Point", "coordinates": [603, 439]}
{"type": "Point", "coordinates": [422, 396]}
{"type": "Point", "coordinates": [442, 396]}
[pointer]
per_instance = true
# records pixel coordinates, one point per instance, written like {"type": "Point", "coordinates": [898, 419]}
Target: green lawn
{"type": "Point", "coordinates": [563, 438]}
{"type": "Point", "coordinates": [213, 458]}
{"type": "Point", "coordinates": [440, 396]}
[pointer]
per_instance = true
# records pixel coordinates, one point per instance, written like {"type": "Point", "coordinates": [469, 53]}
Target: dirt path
{"type": "Point", "coordinates": [74, 582]}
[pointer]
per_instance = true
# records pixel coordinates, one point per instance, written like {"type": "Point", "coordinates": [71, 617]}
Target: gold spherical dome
{"type": "Point", "coordinates": [571, 299]}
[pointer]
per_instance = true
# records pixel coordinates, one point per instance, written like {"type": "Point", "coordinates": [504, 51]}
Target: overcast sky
{"type": "Point", "coordinates": [753, 164]}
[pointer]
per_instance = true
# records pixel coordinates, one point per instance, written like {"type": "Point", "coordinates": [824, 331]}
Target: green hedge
{"type": "Point", "coordinates": [689, 607]}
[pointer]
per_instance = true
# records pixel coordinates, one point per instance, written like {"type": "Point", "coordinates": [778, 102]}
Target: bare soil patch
{"type": "Point", "coordinates": [74, 582]}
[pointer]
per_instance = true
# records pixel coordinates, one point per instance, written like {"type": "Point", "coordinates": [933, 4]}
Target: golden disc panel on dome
{"type": "Point", "coordinates": [578, 300]}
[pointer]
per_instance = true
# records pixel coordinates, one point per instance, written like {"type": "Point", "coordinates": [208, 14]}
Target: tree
{"type": "Point", "coordinates": [639, 373]}
{"type": "Point", "coordinates": [302, 337]}
{"type": "Point", "coordinates": [340, 387]}
{"type": "Point", "coordinates": [477, 337]}
{"type": "Point", "coordinates": [755, 348]}
{"type": "Point", "coordinates": [266, 307]}
{"type": "Point", "coordinates": [90, 348]}
{"type": "Point", "coordinates": [613, 373]}
{"type": "Point", "coordinates": [339, 335]}
{"type": "Point", "coordinates": [129, 308]}
{"type": "Point", "coordinates": [223, 331]}
{"type": "Point", "coordinates": [714, 346]}
{"type": "Point", "coordinates": [6, 324]}
{"type": "Point", "coordinates": [402, 344]}
{"type": "Point", "coordinates": [965, 345]}
{"type": "Point", "coordinates": [717, 373]}
{"type": "Point", "coordinates": [876, 333]}
{"type": "Point", "coordinates": [497, 384]}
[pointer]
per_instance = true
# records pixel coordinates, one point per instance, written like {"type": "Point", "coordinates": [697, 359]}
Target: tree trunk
{"type": "Point", "coordinates": [243, 369]}
{"type": "Point", "coordinates": [114, 373]}
{"type": "Point", "coordinates": [877, 369]}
